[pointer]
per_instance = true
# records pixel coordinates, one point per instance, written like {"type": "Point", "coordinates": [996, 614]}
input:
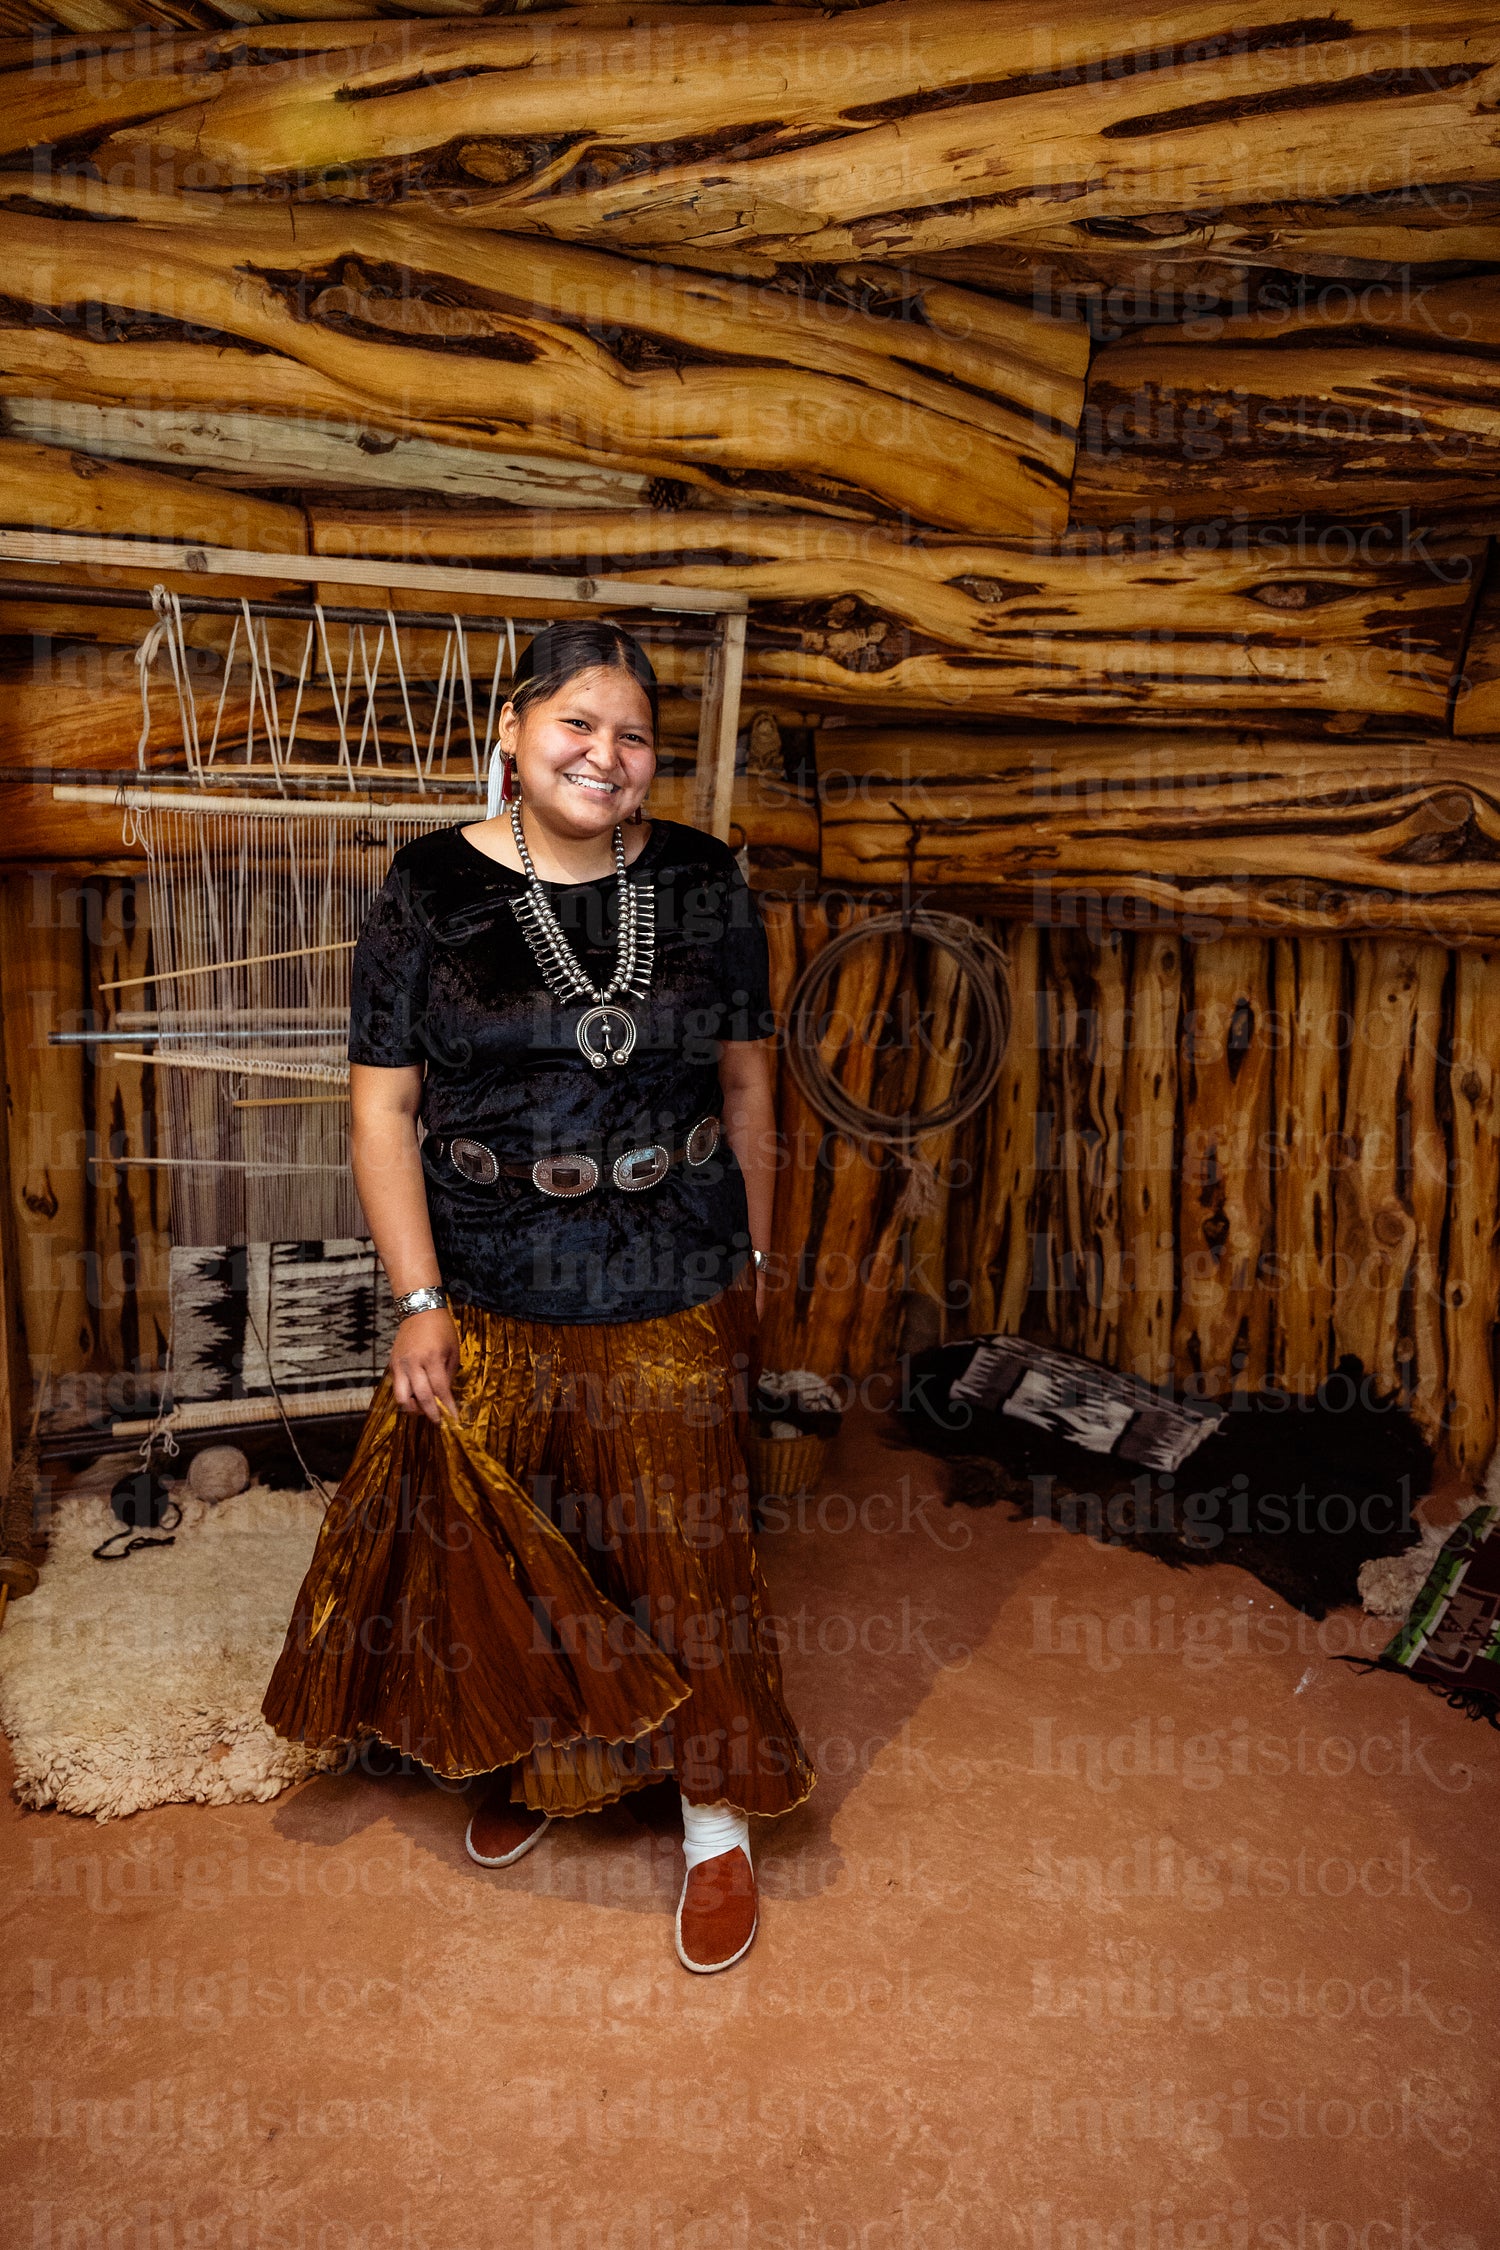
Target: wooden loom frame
{"type": "Point", "coordinates": [719, 710]}
{"type": "Point", "coordinates": [718, 724]}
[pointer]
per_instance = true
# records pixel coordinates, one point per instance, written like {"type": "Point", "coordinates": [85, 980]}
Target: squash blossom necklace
{"type": "Point", "coordinates": [606, 1031]}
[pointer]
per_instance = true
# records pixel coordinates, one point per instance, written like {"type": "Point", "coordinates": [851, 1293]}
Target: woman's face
{"type": "Point", "coordinates": [586, 756]}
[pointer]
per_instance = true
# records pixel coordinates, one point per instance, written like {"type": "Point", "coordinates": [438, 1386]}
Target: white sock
{"type": "Point", "coordinates": [708, 1830]}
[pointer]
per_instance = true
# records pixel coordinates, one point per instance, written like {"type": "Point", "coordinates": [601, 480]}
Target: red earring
{"type": "Point", "coordinates": [507, 773]}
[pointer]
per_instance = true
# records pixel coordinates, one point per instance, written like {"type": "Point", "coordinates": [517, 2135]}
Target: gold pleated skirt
{"type": "Point", "coordinates": [561, 1580]}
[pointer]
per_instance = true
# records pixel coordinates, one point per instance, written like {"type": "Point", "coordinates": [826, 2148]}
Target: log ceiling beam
{"type": "Point", "coordinates": [1220, 831]}
{"type": "Point", "coordinates": [1371, 400]}
{"type": "Point", "coordinates": [853, 615]}
{"type": "Point", "coordinates": [1165, 266]}
{"type": "Point", "coordinates": [955, 410]}
{"type": "Point", "coordinates": [246, 450]}
{"type": "Point", "coordinates": [720, 131]}
{"type": "Point", "coordinates": [1327, 630]}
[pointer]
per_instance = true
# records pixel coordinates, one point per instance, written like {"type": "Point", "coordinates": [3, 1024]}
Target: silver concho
{"type": "Point", "coordinates": [702, 1140]}
{"type": "Point", "coordinates": [478, 1164]}
{"type": "Point", "coordinates": [606, 1035]}
{"type": "Point", "coordinates": [641, 1168]}
{"type": "Point", "coordinates": [565, 1175]}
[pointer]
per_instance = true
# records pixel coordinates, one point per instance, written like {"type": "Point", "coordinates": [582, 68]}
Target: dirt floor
{"type": "Point", "coordinates": [1124, 1915]}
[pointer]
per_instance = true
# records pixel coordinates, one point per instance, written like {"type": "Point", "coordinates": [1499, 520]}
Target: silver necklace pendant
{"type": "Point", "coordinates": [606, 1031]}
{"type": "Point", "coordinates": [606, 1035]}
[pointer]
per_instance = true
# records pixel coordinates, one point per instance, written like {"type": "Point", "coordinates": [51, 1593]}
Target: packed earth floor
{"type": "Point", "coordinates": [1126, 1916]}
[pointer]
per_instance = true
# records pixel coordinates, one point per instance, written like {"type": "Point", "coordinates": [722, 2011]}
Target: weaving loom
{"type": "Point", "coordinates": [254, 911]}
{"type": "Point", "coordinates": [307, 743]}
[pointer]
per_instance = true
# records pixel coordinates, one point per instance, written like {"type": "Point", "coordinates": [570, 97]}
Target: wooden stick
{"type": "Point", "coordinates": [341, 570]}
{"type": "Point", "coordinates": [718, 725]}
{"type": "Point", "coordinates": [232, 1413]}
{"type": "Point", "coordinates": [286, 1101]}
{"type": "Point", "coordinates": [246, 961]}
{"type": "Point", "coordinates": [207, 1164]}
{"type": "Point", "coordinates": [1149, 1168]}
{"type": "Point", "coordinates": [242, 1066]}
{"type": "Point", "coordinates": [128, 798]}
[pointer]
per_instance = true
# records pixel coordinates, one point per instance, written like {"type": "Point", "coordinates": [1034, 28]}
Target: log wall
{"type": "Point", "coordinates": [1107, 438]}
{"type": "Point", "coordinates": [1224, 1164]}
{"type": "Point", "coordinates": [90, 1239]}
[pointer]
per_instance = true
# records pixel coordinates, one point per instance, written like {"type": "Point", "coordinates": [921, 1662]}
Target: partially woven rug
{"type": "Point", "coordinates": [136, 1683]}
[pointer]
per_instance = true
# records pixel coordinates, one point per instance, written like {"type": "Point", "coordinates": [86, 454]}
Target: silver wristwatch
{"type": "Point", "coordinates": [434, 1298]}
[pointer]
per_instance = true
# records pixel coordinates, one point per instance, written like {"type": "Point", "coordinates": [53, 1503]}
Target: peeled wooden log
{"type": "Point", "coordinates": [1168, 266]}
{"type": "Point", "coordinates": [1476, 706]}
{"type": "Point", "coordinates": [831, 1202]}
{"type": "Point", "coordinates": [1089, 1025]}
{"type": "Point", "coordinates": [1225, 1218]}
{"type": "Point", "coordinates": [851, 615]}
{"type": "Point", "coordinates": [257, 450]}
{"type": "Point", "coordinates": [1471, 1295]}
{"type": "Point", "coordinates": [77, 704]}
{"type": "Point", "coordinates": [735, 133]}
{"type": "Point", "coordinates": [1148, 1097]}
{"type": "Point", "coordinates": [1306, 1149]}
{"type": "Point", "coordinates": [1391, 1184]}
{"type": "Point", "coordinates": [1381, 398]}
{"type": "Point", "coordinates": [43, 487]}
{"type": "Point", "coordinates": [999, 1219]}
{"type": "Point", "coordinates": [1217, 831]}
{"type": "Point", "coordinates": [56, 90]}
{"type": "Point", "coordinates": [965, 418]}
{"type": "Point", "coordinates": [654, 81]}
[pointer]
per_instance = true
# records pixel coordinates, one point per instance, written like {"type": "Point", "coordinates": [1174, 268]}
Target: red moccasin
{"type": "Point", "coordinates": [500, 1832]}
{"type": "Point", "coordinates": [718, 1913]}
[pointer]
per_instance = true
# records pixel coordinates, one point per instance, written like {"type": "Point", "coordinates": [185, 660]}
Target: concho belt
{"type": "Point", "coordinates": [578, 1171]}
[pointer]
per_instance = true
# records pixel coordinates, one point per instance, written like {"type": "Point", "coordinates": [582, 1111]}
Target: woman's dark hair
{"type": "Point", "coordinates": [581, 644]}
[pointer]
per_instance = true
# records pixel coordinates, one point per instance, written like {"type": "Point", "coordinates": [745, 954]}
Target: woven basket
{"type": "Point", "coordinates": [784, 1466]}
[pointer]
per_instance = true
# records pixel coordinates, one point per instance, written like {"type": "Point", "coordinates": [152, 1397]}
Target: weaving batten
{"type": "Point", "coordinates": [240, 1066]}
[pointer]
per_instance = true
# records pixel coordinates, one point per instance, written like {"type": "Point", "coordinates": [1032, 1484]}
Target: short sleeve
{"type": "Point", "coordinates": [745, 965]}
{"type": "Point", "coordinates": [388, 986]}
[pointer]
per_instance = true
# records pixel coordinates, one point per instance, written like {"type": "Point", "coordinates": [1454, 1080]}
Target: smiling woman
{"type": "Point", "coordinates": [577, 1023]}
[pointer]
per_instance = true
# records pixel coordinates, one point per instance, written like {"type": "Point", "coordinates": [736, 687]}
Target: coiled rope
{"type": "Point", "coordinates": [984, 968]}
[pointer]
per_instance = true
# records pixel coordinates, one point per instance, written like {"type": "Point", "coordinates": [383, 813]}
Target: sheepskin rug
{"type": "Point", "coordinates": [136, 1683]}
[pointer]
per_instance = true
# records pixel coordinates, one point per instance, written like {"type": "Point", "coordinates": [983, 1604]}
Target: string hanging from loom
{"type": "Point", "coordinates": [252, 917]}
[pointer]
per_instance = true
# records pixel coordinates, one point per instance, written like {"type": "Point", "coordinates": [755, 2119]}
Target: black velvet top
{"type": "Point", "coordinates": [444, 978]}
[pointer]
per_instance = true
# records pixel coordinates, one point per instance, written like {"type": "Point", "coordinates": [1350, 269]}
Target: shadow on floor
{"type": "Point", "coordinates": [879, 1588]}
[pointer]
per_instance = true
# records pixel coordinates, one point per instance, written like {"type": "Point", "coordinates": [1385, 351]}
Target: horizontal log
{"type": "Point", "coordinates": [267, 449]}
{"type": "Point", "coordinates": [70, 92]}
{"type": "Point", "coordinates": [937, 182]}
{"type": "Point", "coordinates": [78, 704]}
{"type": "Point", "coordinates": [41, 486]}
{"type": "Point", "coordinates": [1231, 830]}
{"type": "Point", "coordinates": [734, 132]}
{"type": "Point", "coordinates": [1169, 266]}
{"type": "Point", "coordinates": [36, 832]}
{"type": "Point", "coordinates": [1382, 397]}
{"type": "Point", "coordinates": [847, 615]}
{"type": "Point", "coordinates": [655, 78]}
{"type": "Point", "coordinates": [956, 410]}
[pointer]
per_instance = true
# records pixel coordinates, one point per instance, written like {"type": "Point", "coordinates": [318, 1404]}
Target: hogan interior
{"type": "Point", "coordinates": [1101, 433]}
